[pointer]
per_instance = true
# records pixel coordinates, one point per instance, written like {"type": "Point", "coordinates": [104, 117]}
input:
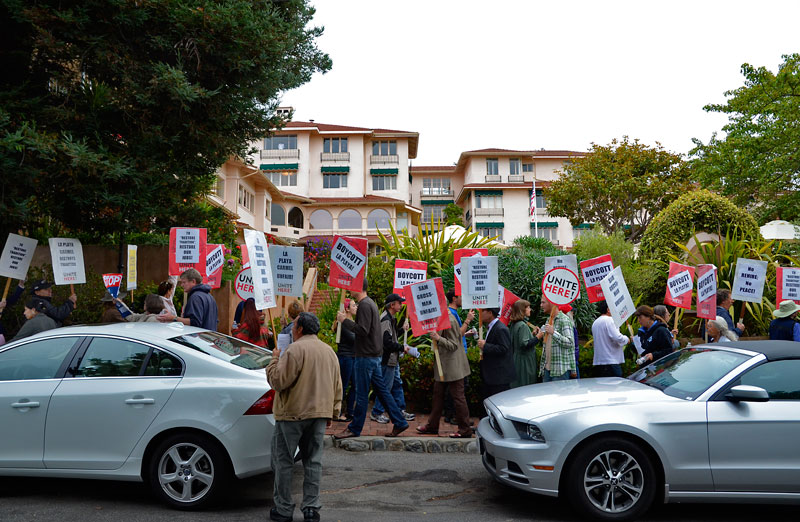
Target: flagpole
{"type": "Point", "coordinates": [533, 200]}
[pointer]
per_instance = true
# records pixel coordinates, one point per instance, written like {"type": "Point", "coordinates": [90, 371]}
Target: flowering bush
{"type": "Point", "coordinates": [318, 254]}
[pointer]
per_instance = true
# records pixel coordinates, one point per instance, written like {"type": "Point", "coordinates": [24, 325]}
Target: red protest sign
{"type": "Point", "coordinates": [348, 263]}
{"type": "Point", "coordinates": [245, 257]}
{"type": "Point", "coordinates": [112, 282]}
{"type": "Point", "coordinates": [593, 271]}
{"type": "Point", "coordinates": [788, 285]}
{"type": "Point", "coordinates": [707, 292]}
{"type": "Point", "coordinates": [427, 306]}
{"type": "Point", "coordinates": [464, 252]}
{"type": "Point", "coordinates": [680, 283]}
{"type": "Point", "coordinates": [505, 309]}
{"type": "Point", "coordinates": [561, 286]}
{"type": "Point", "coordinates": [215, 259]}
{"type": "Point", "coordinates": [408, 272]}
{"type": "Point", "coordinates": [187, 249]}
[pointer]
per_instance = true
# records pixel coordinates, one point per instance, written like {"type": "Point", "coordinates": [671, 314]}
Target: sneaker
{"type": "Point", "coordinates": [408, 416]}
{"type": "Point", "coordinates": [274, 515]}
{"type": "Point", "coordinates": [310, 515]}
{"type": "Point", "coordinates": [382, 418]}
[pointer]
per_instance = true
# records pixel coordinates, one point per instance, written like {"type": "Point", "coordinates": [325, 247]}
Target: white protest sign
{"type": "Point", "coordinates": [561, 286]}
{"type": "Point", "coordinates": [287, 269]}
{"type": "Point", "coordinates": [481, 288]}
{"type": "Point", "coordinates": [261, 269]}
{"type": "Point", "coordinates": [17, 255]}
{"type": "Point", "coordinates": [679, 284]}
{"type": "Point", "coordinates": [243, 285]}
{"type": "Point", "coordinates": [350, 260]}
{"type": "Point", "coordinates": [569, 261]}
{"type": "Point", "coordinates": [788, 279]}
{"type": "Point", "coordinates": [67, 256]}
{"type": "Point", "coordinates": [706, 285]}
{"type": "Point", "coordinates": [617, 296]}
{"type": "Point", "coordinates": [426, 301]}
{"type": "Point", "coordinates": [187, 246]}
{"type": "Point", "coordinates": [748, 283]}
{"type": "Point", "coordinates": [132, 275]}
{"type": "Point", "coordinates": [214, 260]}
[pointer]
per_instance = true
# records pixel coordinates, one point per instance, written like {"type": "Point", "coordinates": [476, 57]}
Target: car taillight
{"type": "Point", "coordinates": [262, 406]}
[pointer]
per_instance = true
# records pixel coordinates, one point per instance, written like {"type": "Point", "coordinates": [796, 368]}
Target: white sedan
{"type": "Point", "coordinates": [181, 408]}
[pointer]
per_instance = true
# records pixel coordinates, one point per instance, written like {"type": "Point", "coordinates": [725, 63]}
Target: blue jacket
{"type": "Point", "coordinates": [785, 329]}
{"type": "Point", "coordinates": [201, 309]}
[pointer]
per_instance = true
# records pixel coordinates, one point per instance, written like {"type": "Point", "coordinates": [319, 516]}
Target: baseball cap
{"type": "Point", "coordinates": [42, 285]}
{"type": "Point", "coordinates": [391, 298]}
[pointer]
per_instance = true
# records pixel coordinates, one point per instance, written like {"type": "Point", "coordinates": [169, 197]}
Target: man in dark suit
{"type": "Point", "coordinates": [497, 357]}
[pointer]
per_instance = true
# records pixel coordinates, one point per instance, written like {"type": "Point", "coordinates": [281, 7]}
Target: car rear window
{"type": "Point", "coordinates": [230, 349]}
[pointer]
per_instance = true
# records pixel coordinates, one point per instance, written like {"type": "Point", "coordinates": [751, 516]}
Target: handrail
{"type": "Point", "coordinates": [310, 284]}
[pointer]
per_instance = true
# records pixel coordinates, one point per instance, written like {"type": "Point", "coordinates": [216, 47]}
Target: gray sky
{"type": "Point", "coordinates": [527, 75]}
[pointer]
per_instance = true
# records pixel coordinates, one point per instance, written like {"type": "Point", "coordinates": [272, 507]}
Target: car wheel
{"type": "Point", "coordinates": [611, 479]}
{"type": "Point", "coordinates": [188, 471]}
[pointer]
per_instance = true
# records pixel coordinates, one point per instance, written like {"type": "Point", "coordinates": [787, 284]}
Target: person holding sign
{"type": "Point", "coordinates": [43, 291]}
{"type": "Point", "coordinates": [785, 326]}
{"type": "Point", "coordinates": [724, 303]}
{"type": "Point", "coordinates": [523, 343]}
{"type": "Point", "coordinates": [497, 363]}
{"type": "Point", "coordinates": [252, 328]}
{"type": "Point", "coordinates": [656, 338]}
{"type": "Point", "coordinates": [561, 366]}
{"type": "Point", "coordinates": [111, 313]}
{"type": "Point", "coordinates": [609, 344]}
{"type": "Point", "coordinates": [201, 308]}
{"type": "Point", "coordinates": [390, 362]}
{"type": "Point", "coordinates": [37, 319]}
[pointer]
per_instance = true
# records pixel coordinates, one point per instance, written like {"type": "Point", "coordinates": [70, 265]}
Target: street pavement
{"type": "Point", "coordinates": [381, 486]}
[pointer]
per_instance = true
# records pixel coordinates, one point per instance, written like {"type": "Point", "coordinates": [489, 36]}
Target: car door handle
{"type": "Point", "coordinates": [24, 404]}
{"type": "Point", "coordinates": [140, 401]}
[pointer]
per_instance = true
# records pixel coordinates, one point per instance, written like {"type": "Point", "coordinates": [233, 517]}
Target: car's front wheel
{"type": "Point", "coordinates": [611, 479]}
{"type": "Point", "coordinates": [188, 471]}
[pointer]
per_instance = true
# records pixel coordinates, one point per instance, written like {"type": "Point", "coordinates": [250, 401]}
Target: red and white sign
{"type": "Point", "coordinates": [505, 306]}
{"type": "Point", "coordinates": [215, 259]}
{"type": "Point", "coordinates": [348, 263]}
{"type": "Point", "coordinates": [680, 283]}
{"type": "Point", "coordinates": [185, 248]}
{"type": "Point", "coordinates": [788, 281]}
{"type": "Point", "coordinates": [427, 306]}
{"type": "Point", "coordinates": [460, 253]}
{"type": "Point", "coordinates": [707, 292]}
{"type": "Point", "coordinates": [112, 282]}
{"type": "Point", "coordinates": [243, 285]}
{"type": "Point", "coordinates": [245, 257]}
{"type": "Point", "coordinates": [561, 286]}
{"type": "Point", "coordinates": [593, 271]}
{"type": "Point", "coordinates": [408, 272]}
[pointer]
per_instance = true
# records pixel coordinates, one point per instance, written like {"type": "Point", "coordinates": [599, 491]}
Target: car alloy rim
{"type": "Point", "coordinates": [186, 472]}
{"type": "Point", "coordinates": [613, 481]}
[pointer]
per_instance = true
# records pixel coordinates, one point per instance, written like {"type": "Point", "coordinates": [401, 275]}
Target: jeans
{"type": "Point", "coordinates": [547, 377]}
{"type": "Point", "coordinates": [307, 435]}
{"type": "Point", "coordinates": [368, 371]}
{"type": "Point", "coordinates": [346, 363]}
{"type": "Point", "coordinates": [391, 376]}
{"type": "Point", "coordinates": [607, 370]}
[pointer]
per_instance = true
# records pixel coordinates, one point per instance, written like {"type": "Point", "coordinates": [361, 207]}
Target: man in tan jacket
{"type": "Point", "coordinates": [308, 394]}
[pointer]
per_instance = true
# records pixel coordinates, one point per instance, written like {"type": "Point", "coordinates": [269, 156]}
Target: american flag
{"type": "Point", "coordinates": [533, 205]}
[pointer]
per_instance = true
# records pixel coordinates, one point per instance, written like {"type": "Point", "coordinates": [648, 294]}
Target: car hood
{"type": "Point", "coordinates": [537, 400]}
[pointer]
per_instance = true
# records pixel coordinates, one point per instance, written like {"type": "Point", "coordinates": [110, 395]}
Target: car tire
{"type": "Point", "coordinates": [189, 471]}
{"type": "Point", "coordinates": [611, 479]}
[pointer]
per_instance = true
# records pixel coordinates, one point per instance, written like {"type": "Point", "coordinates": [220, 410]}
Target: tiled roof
{"type": "Point", "coordinates": [368, 199]}
{"type": "Point", "coordinates": [543, 153]}
{"type": "Point", "coordinates": [433, 168]}
{"type": "Point", "coordinates": [327, 127]}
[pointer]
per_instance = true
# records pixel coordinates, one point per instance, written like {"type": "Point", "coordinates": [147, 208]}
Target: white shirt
{"type": "Point", "coordinates": [609, 343]}
{"type": "Point", "coordinates": [489, 326]}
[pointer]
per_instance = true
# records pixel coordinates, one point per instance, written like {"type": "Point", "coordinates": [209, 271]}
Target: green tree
{"type": "Point", "coordinates": [621, 184]}
{"type": "Point", "coordinates": [454, 215]}
{"type": "Point", "coordinates": [115, 115]}
{"type": "Point", "coordinates": [757, 163]}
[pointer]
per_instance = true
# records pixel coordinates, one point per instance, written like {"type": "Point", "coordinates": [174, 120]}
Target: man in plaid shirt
{"type": "Point", "coordinates": [560, 363]}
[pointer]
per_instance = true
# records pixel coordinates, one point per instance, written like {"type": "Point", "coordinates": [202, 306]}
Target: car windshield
{"type": "Point", "coordinates": [230, 349]}
{"type": "Point", "coordinates": [689, 372]}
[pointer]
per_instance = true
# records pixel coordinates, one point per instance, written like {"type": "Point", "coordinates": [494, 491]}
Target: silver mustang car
{"type": "Point", "coordinates": [712, 423]}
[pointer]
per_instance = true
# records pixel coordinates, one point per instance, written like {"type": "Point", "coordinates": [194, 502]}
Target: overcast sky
{"type": "Point", "coordinates": [532, 74]}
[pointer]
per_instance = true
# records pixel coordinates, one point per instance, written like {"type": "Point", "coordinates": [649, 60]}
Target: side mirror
{"type": "Point", "coordinates": [746, 393]}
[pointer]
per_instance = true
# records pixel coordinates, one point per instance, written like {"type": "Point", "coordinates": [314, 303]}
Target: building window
{"type": "Point", "coordinates": [541, 203]}
{"type": "Point", "coordinates": [320, 219]}
{"type": "Point", "coordinates": [334, 180]}
{"type": "Point", "coordinates": [491, 232]}
{"type": "Point", "coordinates": [513, 166]}
{"type": "Point", "coordinates": [527, 167]}
{"type": "Point", "coordinates": [296, 218]}
{"type": "Point", "coordinates": [549, 233]}
{"type": "Point", "coordinates": [280, 142]}
{"type": "Point", "coordinates": [402, 220]}
{"type": "Point", "coordinates": [219, 188]}
{"type": "Point", "coordinates": [334, 145]}
{"type": "Point", "coordinates": [436, 186]}
{"type": "Point", "coordinates": [485, 201]}
{"type": "Point", "coordinates": [432, 213]}
{"type": "Point", "coordinates": [266, 209]}
{"type": "Point", "coordinates": [384, 182]}
{"type": "Point", "coordinates": [378, 218]}
{"type": "Point", "coordinates": [286, 178]}
{"type": "Point", "coordinates": [278, 215]}
{"type": "Point", "coordinates": [349, 219]}
{"type": "Point", "coordinates": [491, 167]}
{"type": "Point", "coordinates": [384, 148]}
{"type": "Point", "coordinates": [246, 198]}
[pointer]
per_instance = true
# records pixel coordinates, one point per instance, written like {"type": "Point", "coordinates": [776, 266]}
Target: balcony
{"type": "Point", "coordinates": [516, 178]}
{"type": "Point", "coordinates": [334, 156]}
{"type": "Point", "coordinates": [391, 159]}
{"type": "Point", "coordinates": [280, 154]}
{"type": "Point", "coordinates": [436, 194]}
{"type": "Point", "coordinates": [493, 178]}
{"type": "Point", "coordinates": [488, 212]}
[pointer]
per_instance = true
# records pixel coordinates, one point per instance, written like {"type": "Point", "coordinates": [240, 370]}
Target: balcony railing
{"type": "Point", "coordinates": [391, 159]}
{"type": "Point", "coordinates": [435, 193]}
{"type": "Point", "coordinates": [488, 212]}
{"type": "Point", "coordinates": [516, 178]}
{"type": "Point", "coordinates": [493, 178]}
{"type": "Point", "coordinates": [280, 153]}
{"type": "Point", "coordinates": [334, 156]}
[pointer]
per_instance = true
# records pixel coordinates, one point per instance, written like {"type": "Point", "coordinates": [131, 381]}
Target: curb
{"type": "Point", "coordinates": [412, 444]}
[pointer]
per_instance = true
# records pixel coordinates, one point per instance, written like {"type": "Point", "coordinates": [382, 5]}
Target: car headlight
{"type": "Point", "coordinates": [529, 431]}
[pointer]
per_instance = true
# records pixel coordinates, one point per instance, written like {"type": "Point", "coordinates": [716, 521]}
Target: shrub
{"type": "Point", "coordinates": [318, 254]}
{"type": "Point", "coordinates": [380, 278]}
{"type": "Point", "coordinates": [594, 243]}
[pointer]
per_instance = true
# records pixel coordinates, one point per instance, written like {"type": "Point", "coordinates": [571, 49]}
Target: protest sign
{"type": "Point", "coordinates": [407, 273]}
{"type": "Point", "coordinates": [287, 269]}
{"type": "Point", "coordinates": [427, 306]}
{"type": "Point", "coordinates": [707, 292]}
{"type": "Point", "coordinates": [480, 286]}
{"type": "Point", "coordinates": [566, 261]}
{"type": "Point", "coordinates": [16, 257]}
{"type": "Point", "coordinates": [112, 283]}
{"type": "Point", "coordinates": [593, 271]}
{"type": "Point", "coordinates": [215, 259]}
{"type": "Point", "coordinates": [561, 286]}
{"type": "Point", "coordinates": [458, 255]}
{"type": "Point", "coordinates": [245, 256]}
{"type": "Point", "coordinates": [749, 279]}
{"type": "Point", "coordinates": [788, 281]}
{"type": "Point", "coordinates": [505, 306]}
{"type": "Point", "coordinates": [132, 273]}
{"type": "Point", "coordinates": [260, 269]}
{"type": "Point", "coordinates": [617, 296]}
{"type": "Point", "coordinates": [67, 257]}
{"type": "Point", "coordinates": [243, 284]}
{"type": "Point", "coordinates": [348, 263]}
{"type": "Point", "coordinates": [187, 249]}
{"type": "Point", "coordinates": [680, 283]}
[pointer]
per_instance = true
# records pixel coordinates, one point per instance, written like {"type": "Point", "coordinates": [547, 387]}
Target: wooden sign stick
{"type": "Point", "coordinates": [272, 326]}
{"type": "Point", "coordinates": [8, 285]}
{"type": "Point", "coordinates": [436, 356]}
{"type": "Point", "coordinates": [675, 325]}
{"type": "Point", "coordinates": [341, 309]}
